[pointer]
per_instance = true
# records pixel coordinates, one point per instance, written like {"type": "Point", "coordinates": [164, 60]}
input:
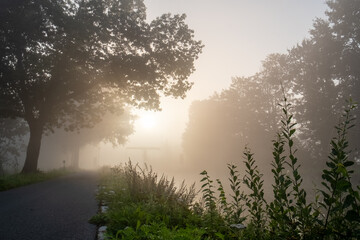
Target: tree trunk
{"type": "Point", "coordinates": [75, 154]}
{"type": "Point", "coordinates": [33, 148]}
{"type": "Point", "coordinates": [2, 171]}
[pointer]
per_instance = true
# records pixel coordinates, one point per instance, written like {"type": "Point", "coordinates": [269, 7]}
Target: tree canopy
{"type": "Point", "coordinates": [65, 63]}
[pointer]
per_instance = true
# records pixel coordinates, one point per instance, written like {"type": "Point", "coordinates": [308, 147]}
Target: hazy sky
{"type": "Point", "coordinates": [238, 35]}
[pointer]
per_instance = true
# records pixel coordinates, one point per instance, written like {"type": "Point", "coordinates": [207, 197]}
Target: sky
{"type": "Point", "coordinates": [238, 35]}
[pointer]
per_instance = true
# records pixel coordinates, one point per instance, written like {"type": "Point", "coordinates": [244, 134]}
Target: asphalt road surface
{"type": "Point", "coordinates": [58, 209]}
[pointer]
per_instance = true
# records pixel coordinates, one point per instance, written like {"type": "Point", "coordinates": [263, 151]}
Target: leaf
{"type": "Point", "coordinates": [348, 163]}
{"type": "Point", "coordinates": [292, 131]}
{"type": "Point", "coordinates": [220, 235]}
{"type": "Point", "coordinates": [138, 224]}
{"type": "Point", "coordinates": [202, 180]}
{"type": "Point", "coordinates": [352, 216]}
{"type": "Point", "coordinates": [341, 169]}
{"type": "Point", "coordinates": [330, 164]}
{"type": "Point", "coordinates": [328, 178]}
{"type": "Point", "coordinates": [348, 201]}
{"type": "Point", "coordinates": [325, 195]}
{"type": "Point", "coordinates": [204, 185]}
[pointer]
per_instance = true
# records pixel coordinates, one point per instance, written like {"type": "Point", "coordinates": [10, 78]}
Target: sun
{"type": "Point", "coordinates": [147, 120]}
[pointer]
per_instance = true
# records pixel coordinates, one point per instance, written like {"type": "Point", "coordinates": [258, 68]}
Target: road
{"type": "Point", "coordinates": [58, 209]}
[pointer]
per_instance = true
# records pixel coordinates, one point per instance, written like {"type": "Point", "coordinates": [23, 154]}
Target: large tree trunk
{"type": "Point", "coordinates": [33, 148]}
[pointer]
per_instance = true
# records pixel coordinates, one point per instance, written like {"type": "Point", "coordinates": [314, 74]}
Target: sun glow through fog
{"type": "Point", "coordinates": [147, 120]}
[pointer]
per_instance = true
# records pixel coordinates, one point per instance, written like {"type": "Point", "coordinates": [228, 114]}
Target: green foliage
{"type": "Point", "coordinates": [222, 200]}
{"type": "Point", "coordinates": [232, 211]}
{"type": "Point", "coordinates": [295, 219]}
{"type": "Point", "coordinates": [236, 208]}
{"type": "Point", "coordinates": [208, 193]}
{"type": "Point", "coordinates": [255, 201]}
{"type": "Point", "coordinates": [212, 217]}
{"type": "Point", "coordinates": [138, 200]}
{"type": "Point", "coordinates": [340, 199]}
{"type": "Point", "coordinates": [279, 209]}
{"type": "Point", "coordinates": [99, 219]}
{"type": "Point", "coordinates": [158, 231]}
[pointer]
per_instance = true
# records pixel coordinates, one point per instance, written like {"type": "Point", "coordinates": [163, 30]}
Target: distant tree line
{"type": "Point", "coordinates": [318, 75]}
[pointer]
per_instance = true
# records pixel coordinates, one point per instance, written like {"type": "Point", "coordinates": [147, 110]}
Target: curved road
{"type": "Point", "coordinates": [57, 209]}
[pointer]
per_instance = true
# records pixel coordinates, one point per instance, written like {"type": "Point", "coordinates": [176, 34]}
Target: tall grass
{"type": "Point", "coordinates": [142, 204]}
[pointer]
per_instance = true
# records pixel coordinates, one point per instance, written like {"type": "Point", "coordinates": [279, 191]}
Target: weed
{"type": "Point", "coordinates": [255, 200]}
{"type": "Point", "coordinates": [138, 198]}
{"type": "Point", "coordinates": [340, 199]}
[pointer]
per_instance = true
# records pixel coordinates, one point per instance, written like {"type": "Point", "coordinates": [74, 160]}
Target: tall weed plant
{"type": "Point", "coordinates": [335, 214]}
{"type": "Point", "coordinates": [340, 200]}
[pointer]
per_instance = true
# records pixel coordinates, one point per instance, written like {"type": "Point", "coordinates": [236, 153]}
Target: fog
{"type": "Point", "coordinates": [232, 104]}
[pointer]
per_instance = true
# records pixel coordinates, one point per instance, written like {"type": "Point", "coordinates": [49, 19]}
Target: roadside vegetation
{"type": "Point", "coordinates": [17, 180]}
{"type": "Point", "coordinates": [142, 205]}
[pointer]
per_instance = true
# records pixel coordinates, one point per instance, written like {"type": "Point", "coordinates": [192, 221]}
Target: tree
{"type": "Point", "coordinates": [65, 63]}
{"type": "Point", "coordinates": [326, 73]}
{"type": "Point", "coordinates": [245, 113]}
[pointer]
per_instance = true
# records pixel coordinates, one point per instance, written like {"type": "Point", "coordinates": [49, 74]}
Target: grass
{"type": "Point", "coordinates": [143, 206]}
{"type": "Point", "coordinates": [17, 180]}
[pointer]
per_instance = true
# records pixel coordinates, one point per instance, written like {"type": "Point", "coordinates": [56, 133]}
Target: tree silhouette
{"type": "Point", "coordinates": [66, 63]}
{"type": "Point", "coordinates": [318, 74]}
{"type": "Point", "coordinates": [245, 113]}
{"type": "Point", "coordinates": [326, 73]}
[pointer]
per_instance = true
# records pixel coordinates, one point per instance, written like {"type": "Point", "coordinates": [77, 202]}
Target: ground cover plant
{"type": "Point", "coordinates": [143, 206]}
{"type": "Point", "coordinates": [17, 180]}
